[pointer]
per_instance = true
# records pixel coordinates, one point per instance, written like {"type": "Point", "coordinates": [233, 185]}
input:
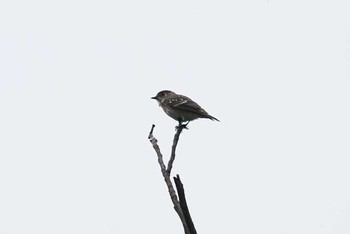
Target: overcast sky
{"type": "Point", "coordinates": [76, 79]}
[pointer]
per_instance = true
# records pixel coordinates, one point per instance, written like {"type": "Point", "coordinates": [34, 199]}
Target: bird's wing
{"type": "Point", "coordinates": [178, 102]}
{"type": "Point", "coordinates": [186, 104]}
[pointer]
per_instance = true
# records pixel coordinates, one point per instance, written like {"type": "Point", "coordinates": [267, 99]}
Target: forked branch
{"type": "Point", "coordinates": [179, 206]}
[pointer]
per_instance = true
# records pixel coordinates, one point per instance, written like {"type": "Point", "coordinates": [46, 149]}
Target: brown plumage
{"type": "Point", "coordinates": [181, 108]}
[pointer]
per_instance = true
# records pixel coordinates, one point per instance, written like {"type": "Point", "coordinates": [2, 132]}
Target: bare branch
{"type": "Point", "coordinates": [173, 148]}
{"type": "Point", "coordinates": [166, 176]}
{"type": "Point", "coordinates": [183, 204]}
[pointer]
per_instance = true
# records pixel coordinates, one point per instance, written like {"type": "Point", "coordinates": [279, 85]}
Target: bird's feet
{"type": "Point", "coordinates": [182, 126]}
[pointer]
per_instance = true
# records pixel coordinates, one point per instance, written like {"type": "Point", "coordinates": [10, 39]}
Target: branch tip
{"type": "Point", "coordinates": [150, 135]}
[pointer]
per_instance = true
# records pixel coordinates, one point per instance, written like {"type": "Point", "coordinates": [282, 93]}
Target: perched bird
{"type": "Point", "coordinates": [180, 108]}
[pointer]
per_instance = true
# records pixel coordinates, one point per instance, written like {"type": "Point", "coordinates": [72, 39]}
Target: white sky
{"type": "Point", "coordinates": [76, 79]}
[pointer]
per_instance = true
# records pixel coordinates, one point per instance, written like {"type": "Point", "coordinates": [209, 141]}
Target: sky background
{"type": "Point", "coordinates": [76, 79]}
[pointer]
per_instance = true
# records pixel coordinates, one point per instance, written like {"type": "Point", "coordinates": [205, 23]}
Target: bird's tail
{"type": "Point", "coordinates": [212, 118]}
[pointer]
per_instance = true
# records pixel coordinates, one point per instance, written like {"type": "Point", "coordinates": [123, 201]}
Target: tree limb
{"type": "Point", "coordinates": [173, 148]}
{"type": "Point", "coordinates": [166, 176]}
{"type": "Point", "coordinates": [183, 204]}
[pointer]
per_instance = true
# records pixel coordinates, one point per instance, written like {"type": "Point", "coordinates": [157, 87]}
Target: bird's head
{"type": "Point", "coordinates": [162, 95]}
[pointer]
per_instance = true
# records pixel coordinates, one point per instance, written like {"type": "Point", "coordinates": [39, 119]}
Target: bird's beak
{"type": "Point", "coordinates": [153, 98]}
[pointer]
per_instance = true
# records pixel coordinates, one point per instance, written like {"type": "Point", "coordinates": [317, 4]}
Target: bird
{"type": "Point", "coordinates": [180, 107]}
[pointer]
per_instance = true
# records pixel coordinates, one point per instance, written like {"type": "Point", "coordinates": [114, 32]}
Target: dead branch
{"type": "Point", "coordinates": [180, 207]}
